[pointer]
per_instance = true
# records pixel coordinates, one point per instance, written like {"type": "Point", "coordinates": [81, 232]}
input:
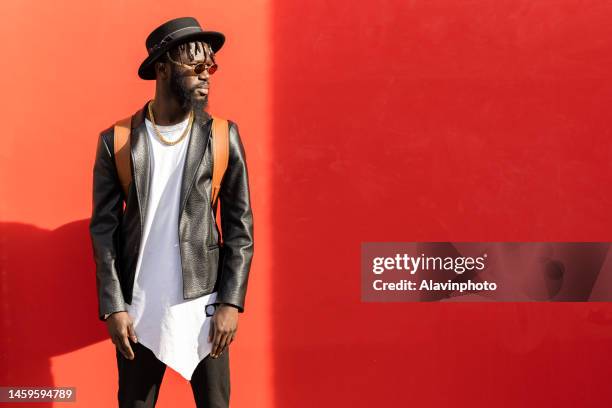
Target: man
{"type": "Point", "coordinates": [160, 264]}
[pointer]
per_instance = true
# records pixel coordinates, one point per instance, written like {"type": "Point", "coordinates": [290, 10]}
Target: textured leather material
{"type": "Point", "coordinates": [123, 129]}
{"type": "Point", "coordinates": [116, 232]}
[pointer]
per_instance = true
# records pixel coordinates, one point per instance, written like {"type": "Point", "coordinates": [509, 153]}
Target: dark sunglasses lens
{"type": "Point", "coordinates": [198, 69]}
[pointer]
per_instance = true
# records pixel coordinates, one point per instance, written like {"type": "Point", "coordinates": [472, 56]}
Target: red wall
{"type": "Point", "coordinates": [370, 121]}
{"type": "Point", "coordinates": [442, 121]}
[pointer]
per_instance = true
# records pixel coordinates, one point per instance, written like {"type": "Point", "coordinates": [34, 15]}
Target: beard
{"type": "Point", "coordinates": [185, 96]}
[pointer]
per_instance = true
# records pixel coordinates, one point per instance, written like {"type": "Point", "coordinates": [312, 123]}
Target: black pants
{"type": "Point", "coordinates": [140, 379]}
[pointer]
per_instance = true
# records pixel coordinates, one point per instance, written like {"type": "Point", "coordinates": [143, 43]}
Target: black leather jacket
{"type": "Point", "coordinates": [116, 231]}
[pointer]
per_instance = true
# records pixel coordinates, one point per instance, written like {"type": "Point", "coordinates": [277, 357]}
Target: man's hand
{"type": "Point", "coordinates": [120, 326]}
{"type": "Point", "coordinates": [223, 327]}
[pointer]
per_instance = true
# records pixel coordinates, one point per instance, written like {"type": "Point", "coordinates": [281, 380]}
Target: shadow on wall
{"type": "Point", "coordinates": [49, 304]}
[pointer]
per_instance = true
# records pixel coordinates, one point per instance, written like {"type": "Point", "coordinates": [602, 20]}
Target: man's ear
{"type": "Point", "coordinates": [162, 70]}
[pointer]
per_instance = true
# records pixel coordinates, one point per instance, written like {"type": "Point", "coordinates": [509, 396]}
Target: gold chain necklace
{"type": "Point", "coordinates": [161, 137]}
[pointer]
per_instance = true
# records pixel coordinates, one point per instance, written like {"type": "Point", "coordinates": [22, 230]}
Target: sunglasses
{"type": "Point", "coordinates": [196, 69]}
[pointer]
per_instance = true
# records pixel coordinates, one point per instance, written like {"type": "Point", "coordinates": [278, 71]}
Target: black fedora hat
{"type": "Point", "coordinates": [171, 33]}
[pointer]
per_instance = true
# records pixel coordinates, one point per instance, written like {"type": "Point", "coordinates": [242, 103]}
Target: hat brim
{"type": "Point", "coordinates": [214, 38]}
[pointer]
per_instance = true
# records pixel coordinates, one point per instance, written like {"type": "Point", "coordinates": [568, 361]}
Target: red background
{"type": "Point", "coordinates": [371, 121]}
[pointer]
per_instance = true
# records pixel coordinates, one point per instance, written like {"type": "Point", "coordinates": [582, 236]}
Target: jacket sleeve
{"type": "Point", "coordinates": [236, 225]}
{"type": "Point", "coordinates": [107, 210]}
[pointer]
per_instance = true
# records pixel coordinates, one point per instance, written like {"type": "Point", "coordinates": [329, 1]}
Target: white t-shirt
{"type": "Point", "coordinates": [174, 329]}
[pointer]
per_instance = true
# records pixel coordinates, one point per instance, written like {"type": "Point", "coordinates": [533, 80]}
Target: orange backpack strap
{"type": "Point", "coordinates": [123, 129]}
{"type": "Point", "coordinates": [220, 141]}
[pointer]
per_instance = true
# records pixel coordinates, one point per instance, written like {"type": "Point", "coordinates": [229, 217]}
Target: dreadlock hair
{"type": "Point", "coordinates": [191, 49]}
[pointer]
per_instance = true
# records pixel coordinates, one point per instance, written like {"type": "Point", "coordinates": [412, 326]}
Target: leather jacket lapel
{"type": "Point", "coordinates": [140, 160]}
{"type": "Point", "coordinates": [198, 142]}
